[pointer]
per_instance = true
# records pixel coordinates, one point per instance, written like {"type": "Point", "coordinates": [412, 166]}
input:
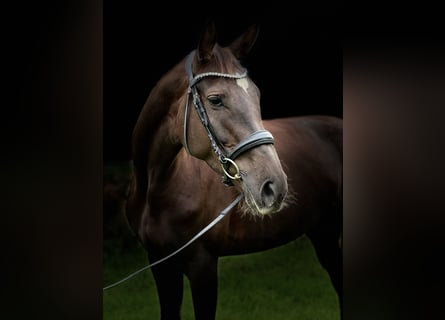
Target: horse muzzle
{"type": "Point", "coordinates": [263, 181]}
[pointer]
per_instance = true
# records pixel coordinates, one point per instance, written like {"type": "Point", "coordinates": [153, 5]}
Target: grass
{"type": "Point", "coordinates": [282, 283]}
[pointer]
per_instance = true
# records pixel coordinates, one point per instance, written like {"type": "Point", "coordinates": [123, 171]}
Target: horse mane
{"type": "Point", "coordinates": [167, 90]}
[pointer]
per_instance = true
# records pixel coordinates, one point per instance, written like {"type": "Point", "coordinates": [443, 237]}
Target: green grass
{"type": "Point", "coordinates": [283, 283]}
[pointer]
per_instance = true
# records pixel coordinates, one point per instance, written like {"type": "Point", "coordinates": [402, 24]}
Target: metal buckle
{"type": "Point", "coordinates": [237, 174]}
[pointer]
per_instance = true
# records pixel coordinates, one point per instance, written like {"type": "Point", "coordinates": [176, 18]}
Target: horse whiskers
{"type": "Point", "coordinates": [290, 198]}
{"type": "Point", "coordinates": [250, 208]}
{"type": "Point", "coordinates": [245, 207]}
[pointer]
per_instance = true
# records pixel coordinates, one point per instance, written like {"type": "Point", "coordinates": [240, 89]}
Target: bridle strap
{"type": "Point", "coordinates": [200, 110]}
{"type": "Point", "coordinates": [199, 234]}
{"type": "Point", "coordinates": [226, 159]}
{"type": "Point", "coordinates": [255, 139]}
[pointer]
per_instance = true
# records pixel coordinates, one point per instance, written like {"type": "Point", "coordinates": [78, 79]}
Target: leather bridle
{"type": "Point", "coordinates": [225, 158]}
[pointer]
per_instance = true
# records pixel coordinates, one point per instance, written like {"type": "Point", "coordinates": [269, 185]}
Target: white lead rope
{"type": "Point", "coordinates": [210, 225]}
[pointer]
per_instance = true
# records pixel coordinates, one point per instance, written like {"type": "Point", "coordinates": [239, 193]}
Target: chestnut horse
{"type": "Point", "coordinates": [202, 121]}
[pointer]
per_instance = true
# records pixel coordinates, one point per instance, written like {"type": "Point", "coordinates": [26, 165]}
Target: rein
{"type": "Point", "coordinates": [225, 158]}
{"type": "Point", "coordinates": [210, 225]}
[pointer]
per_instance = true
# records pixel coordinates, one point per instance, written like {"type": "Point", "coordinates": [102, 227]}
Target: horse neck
{"type": "Point", "coordinates": [155, 139]}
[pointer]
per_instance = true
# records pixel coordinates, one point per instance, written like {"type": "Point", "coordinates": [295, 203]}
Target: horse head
{"type": "Point", "coordinates": [225, 129]}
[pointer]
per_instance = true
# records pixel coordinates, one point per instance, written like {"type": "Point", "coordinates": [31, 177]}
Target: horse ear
{"type": "Point", "coordinates": [207, 42]}
{"type": "Point", "coordinates": [244, 43]}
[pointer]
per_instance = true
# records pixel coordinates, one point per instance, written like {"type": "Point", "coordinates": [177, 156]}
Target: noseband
{"type": "Point", "coordinates": [225, 158]}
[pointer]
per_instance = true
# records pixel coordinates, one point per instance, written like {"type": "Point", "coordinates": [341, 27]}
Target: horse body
{"type": "Point", "coordinates": [174, 194]}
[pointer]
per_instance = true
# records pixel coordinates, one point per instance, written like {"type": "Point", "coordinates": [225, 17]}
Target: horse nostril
{"type": "Point", "coordinates": [268, 193]}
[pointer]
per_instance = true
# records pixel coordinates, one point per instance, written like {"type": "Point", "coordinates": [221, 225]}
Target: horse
{"type": "Point", "coordinates": [200, 146]}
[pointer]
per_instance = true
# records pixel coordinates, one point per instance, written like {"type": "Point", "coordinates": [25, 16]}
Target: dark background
{"type": "Point", "coordinates": [296, 61]}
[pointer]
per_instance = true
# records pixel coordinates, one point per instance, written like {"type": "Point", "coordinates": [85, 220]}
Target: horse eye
{"type": "Point", "coordinates": [215, 100]}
